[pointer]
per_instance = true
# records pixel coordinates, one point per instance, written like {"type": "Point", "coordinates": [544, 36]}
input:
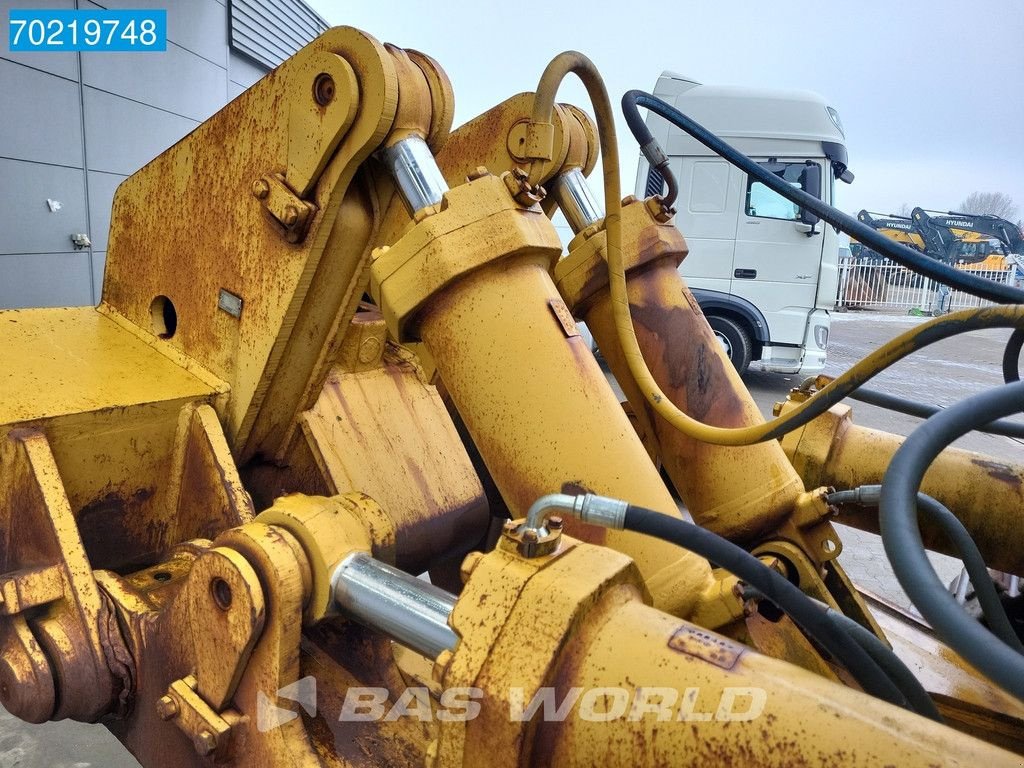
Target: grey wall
{"type": "Point", "coordinates": [74, 125]}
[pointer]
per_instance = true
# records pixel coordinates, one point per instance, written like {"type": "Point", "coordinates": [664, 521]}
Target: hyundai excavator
{"type": "Point", "coordinates": [331, 478]}
{"type": "Point", "coordinates": [955, 238]}
{"type": "Point", "coordinates": [951, 232]}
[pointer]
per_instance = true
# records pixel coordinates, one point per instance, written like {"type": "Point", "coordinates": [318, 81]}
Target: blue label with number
{"type": "Point", "coordinates": [87, 30]}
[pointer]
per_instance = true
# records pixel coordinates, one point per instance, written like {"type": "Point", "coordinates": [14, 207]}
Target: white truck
{"type": "Point", "coordinates": [764, 271]}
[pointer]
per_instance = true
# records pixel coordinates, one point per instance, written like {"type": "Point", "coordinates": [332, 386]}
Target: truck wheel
{"type": "Point", "coordinates": [734, 340]}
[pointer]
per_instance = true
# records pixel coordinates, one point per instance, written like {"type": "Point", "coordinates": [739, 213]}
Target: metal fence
{"type": "Point", "coordinates": [866, 283]}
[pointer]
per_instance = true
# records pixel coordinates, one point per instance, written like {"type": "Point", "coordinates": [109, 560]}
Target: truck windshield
{"type": "Point", "coordinates": [765, 204]}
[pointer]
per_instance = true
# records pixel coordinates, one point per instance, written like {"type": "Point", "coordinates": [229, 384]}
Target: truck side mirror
{"type": "Point", "coordinates": [810, 181]}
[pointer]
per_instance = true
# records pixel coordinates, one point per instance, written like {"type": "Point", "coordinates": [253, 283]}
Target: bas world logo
{"type": "Point", "coordinates": [600, 705]}
{"type": "Point", "coordinates": [270, 716]}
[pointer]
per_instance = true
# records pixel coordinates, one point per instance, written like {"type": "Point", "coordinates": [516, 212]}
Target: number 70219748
{"type": "Point", "coordinates": [87, 30]}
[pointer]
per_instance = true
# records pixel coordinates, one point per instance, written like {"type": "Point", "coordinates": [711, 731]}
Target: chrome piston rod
{"type": "Point", "coordinates": [409, 610]}
{"type": "Point", "coordinates": [576, 200]}
{"type": "Point", "coordinates": [416, 173]}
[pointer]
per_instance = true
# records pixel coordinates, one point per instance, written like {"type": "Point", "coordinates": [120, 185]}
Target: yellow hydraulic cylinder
{"type": "Point", "coordinates": [655, 692]}
{"type": "Point", "coordinates": [986, 494]}
{"type": "Point", "coordinates": [738, 492]}
{"type": "Point", "coordinates": [625, 684]}
{"type": "Point", "coordinates": [472, 282]}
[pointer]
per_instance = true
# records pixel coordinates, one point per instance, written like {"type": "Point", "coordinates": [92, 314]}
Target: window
{"type": "Point", "coordinates": [766, 204]}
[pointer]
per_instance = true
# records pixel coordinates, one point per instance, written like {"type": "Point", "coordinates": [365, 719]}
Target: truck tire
{"type": "Point", "coordinates": [735, 340]}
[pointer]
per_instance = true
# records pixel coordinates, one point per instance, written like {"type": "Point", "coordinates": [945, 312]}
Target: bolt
{"type": "Point", "coordinates": [555, 523]}
{"type": "Point", "coordinates": [260, 189]}
{"type": "Point", "coordinates": [205, 743]}
{"type": "Point", "coordinates": [370, 350]}
{"type": "Point", "coordinates": [323, 89]}
{"type": "Point", "coordinates": [510, 525]}
{"type": "Point", "coordinates": [291, 215]}
{"type": "Point", "coordinates": [530, 536]}
{"type": "Point", "coordinates": [166, 707]}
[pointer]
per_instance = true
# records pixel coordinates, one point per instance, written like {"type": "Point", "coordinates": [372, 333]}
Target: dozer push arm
{"type": "Point", "coordinates": [985, 493]}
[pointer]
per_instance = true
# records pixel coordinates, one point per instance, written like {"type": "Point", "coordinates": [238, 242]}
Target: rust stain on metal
{"type": "Point", "coordinates": [999, 471]}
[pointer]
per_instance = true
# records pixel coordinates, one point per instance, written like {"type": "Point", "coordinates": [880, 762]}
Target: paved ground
{"type": "Point", "coordinates": [942, 374]}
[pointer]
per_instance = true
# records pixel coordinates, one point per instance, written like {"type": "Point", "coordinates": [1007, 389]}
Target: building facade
{"type": "Point", "coordinates": [74, 125]}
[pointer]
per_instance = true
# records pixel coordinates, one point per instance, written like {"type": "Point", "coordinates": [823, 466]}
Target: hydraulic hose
{"type": "Point", "coordinates": [949, 325]}
{"type": "Point", "coordinates": [775, 588]}
{"type": "Point", "coordinates": [901, 535]}
{"type": "Point", "coordinates": [890, 663]}
{"type": "Point", "coordinates": [898, 252]}
{"type": "Point", "coordinates": [1011, 356]}
{"type": "Point", "coordinates": [653, 152]}
{"type": "Point", "coordinates": [835, 391]}
{"type": "Point", "coordinates": [988, 597]}
{"type": "Point", "coordinates": [1002, 427]}
{"type": "Point", "coordinates": [872, 664]}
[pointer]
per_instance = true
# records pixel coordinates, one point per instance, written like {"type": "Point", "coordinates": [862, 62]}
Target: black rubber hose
{"type": "Point", "coordinates": [775, 588]}
{"type": "Point", "coordinates": [965, 546]}
{"type": "Point", "coordinates": [890, 663]}
{"type": "Point", "coordinates": [943, 328]}
{"type": "Point", "coordinates": [652, 151]}
{"type": "Point", "coordinates": [871, 238]}
{"type": "Point", "coordinates": [988, 597]}
{"type": "Point", "coordinates": [1011, 356]}
{"type": "Point", "coordinates": [901, 535]}
{"type": "Point", "coordinates": [1002, 427]}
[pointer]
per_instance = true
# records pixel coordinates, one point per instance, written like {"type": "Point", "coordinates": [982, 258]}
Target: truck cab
{"type": "Point", "coordinates": [764, 271]}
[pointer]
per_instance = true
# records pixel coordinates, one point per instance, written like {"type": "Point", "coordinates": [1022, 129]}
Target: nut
{"type": "Point", "coordinates": [166, 707]}
{"type": "Point", "coordinates": [555, 523]}
{"type": "Point", "coordinates": [520, 189]}
{"type": "Point", "coordinates": [260, 189]}
{"type": "Point", "coordinates": [291, 215]}
{"type": "Point", "coordinates": [205, 743]}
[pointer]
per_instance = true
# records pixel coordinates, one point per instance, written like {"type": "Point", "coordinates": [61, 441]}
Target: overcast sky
{"type": "Point", "coordinates": [931, 94]}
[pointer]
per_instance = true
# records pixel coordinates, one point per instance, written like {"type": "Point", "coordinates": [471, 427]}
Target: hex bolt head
{"type": "Point", "coordinates": [166, 707]}
{"type": "Point", "coordinates": [555, 523]}
{"type": "Point", "coordinates": [260, 189]}
{"type": "Point", "coordinates": [530, 536]}
{"type": "Point", "coordinates": [291, 215]}
{"type": "Point", "coordinates": [205, 743]}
